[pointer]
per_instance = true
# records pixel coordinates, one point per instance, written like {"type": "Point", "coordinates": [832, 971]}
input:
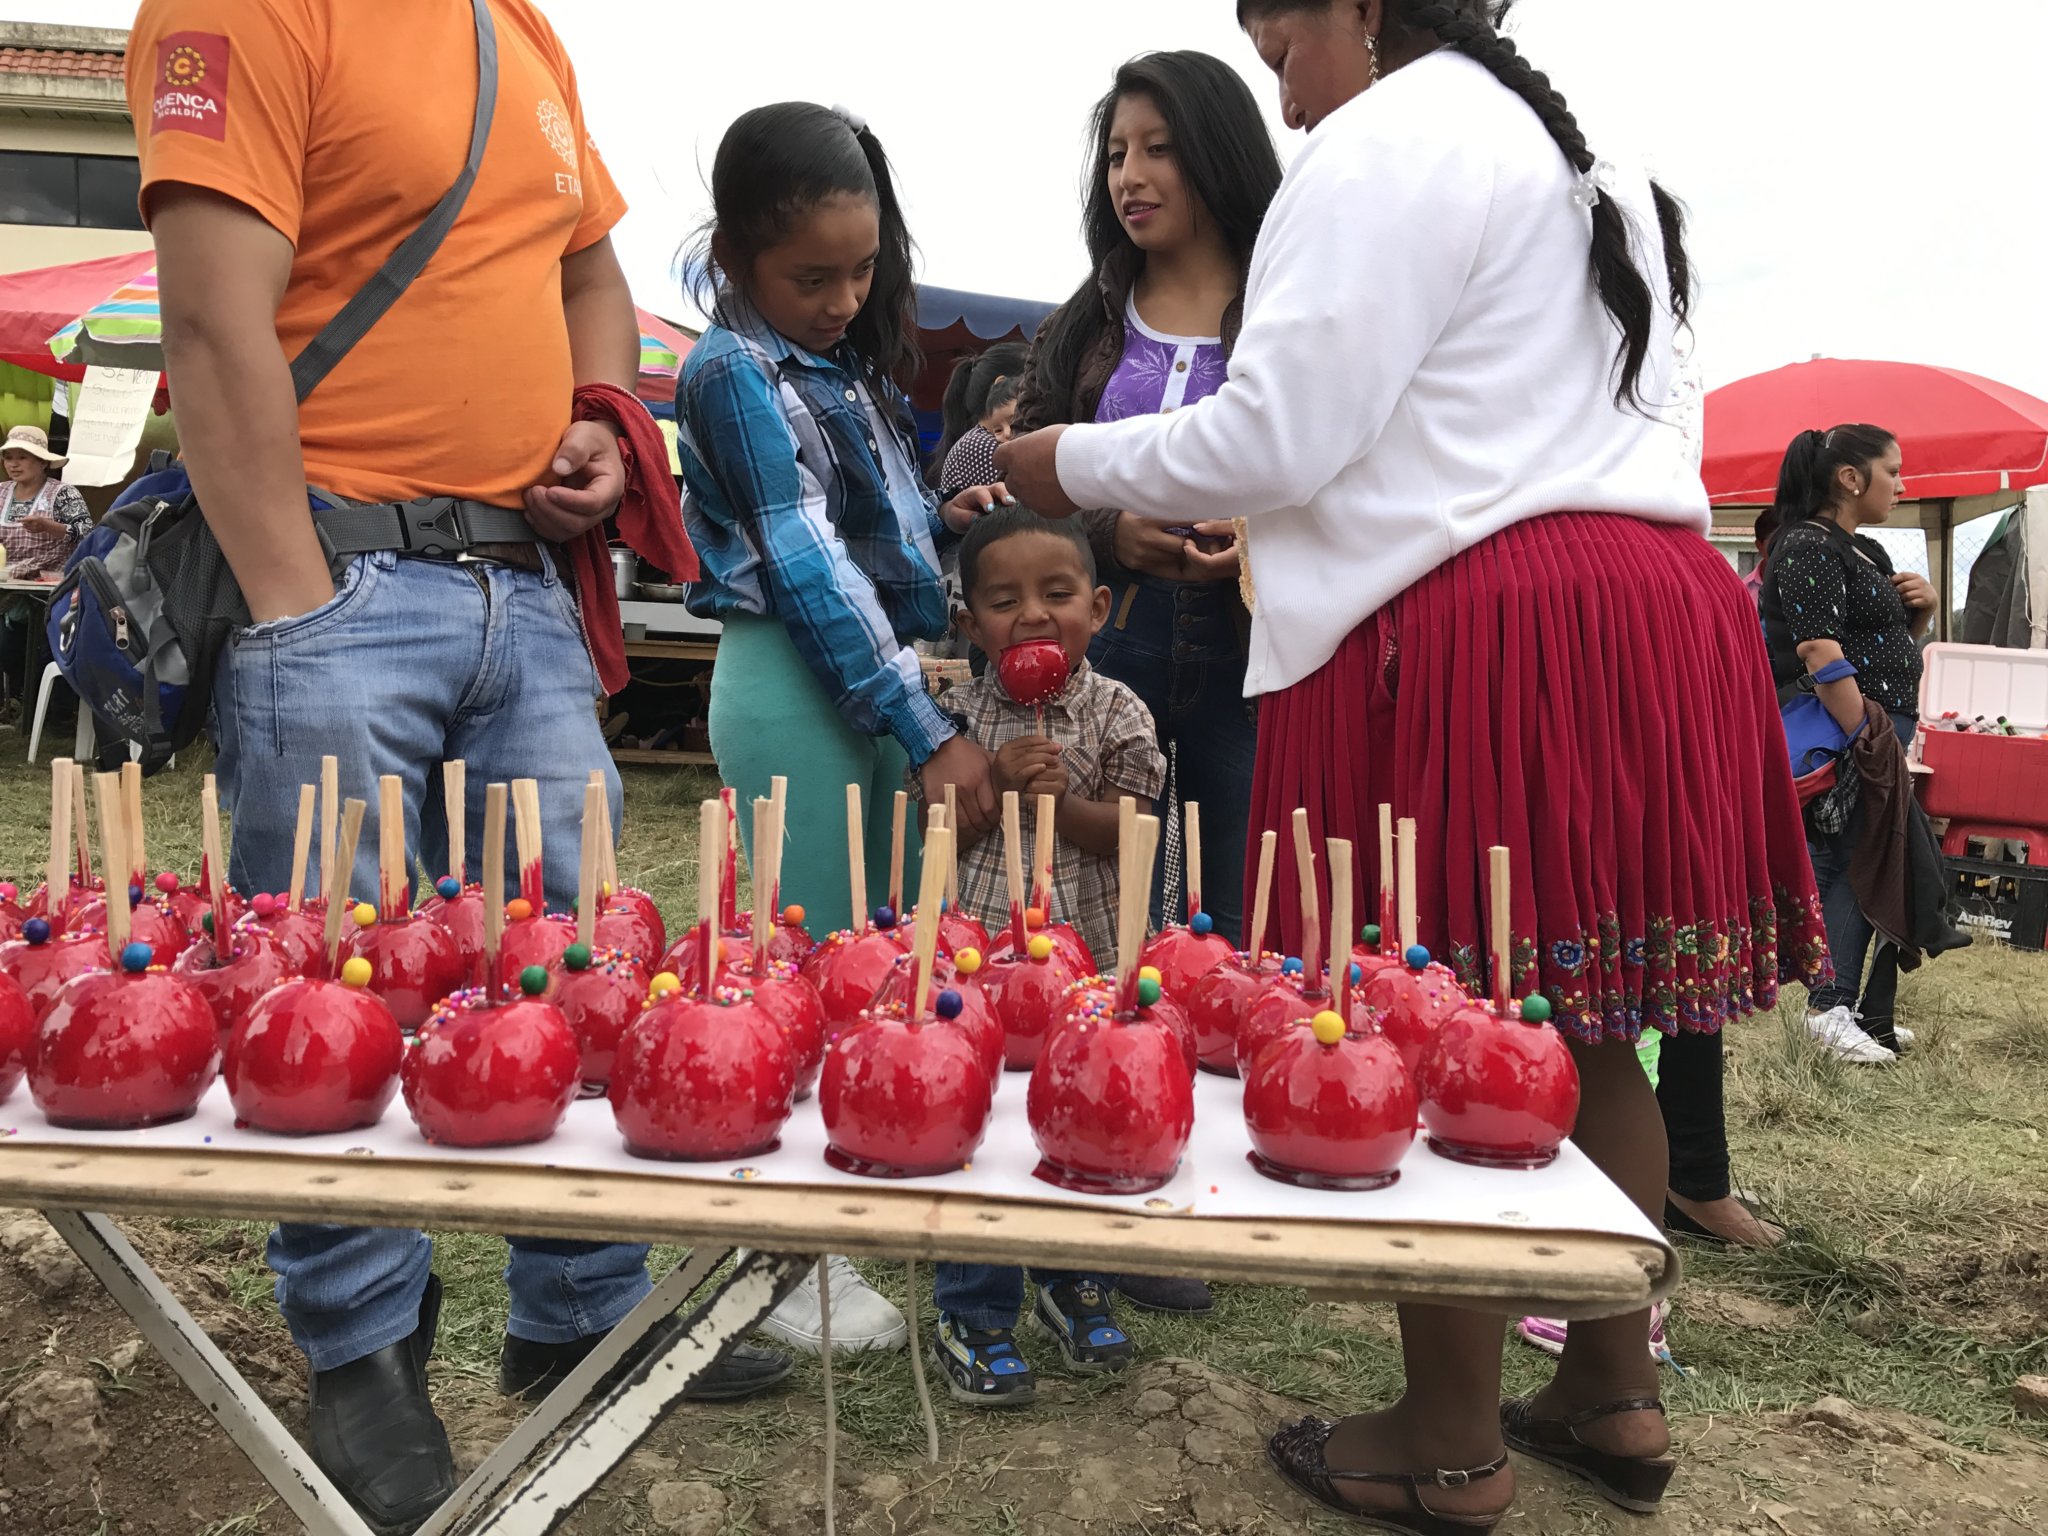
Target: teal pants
{"type": "Point", "coordinates": [770, 716]}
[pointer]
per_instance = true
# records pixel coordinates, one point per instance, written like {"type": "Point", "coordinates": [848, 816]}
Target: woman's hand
{"type": "Point", "coordinates": [1029, 466]}
{"type": "Point", "coordinates": [975, 501]}
{"type": "Point", "coordinates": [966, 764]}
{"type": "Point", "coordinates": [1914, 590]}
{"type": "Point", "coordinates": [48, 527]}
{"type": "Point", "coordinates": [1151, 549]}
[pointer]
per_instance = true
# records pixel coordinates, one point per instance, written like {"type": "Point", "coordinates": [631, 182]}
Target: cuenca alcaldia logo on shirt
{"type": "Point", "coordinates": [192, 85]}
{"type": "Point", "coordinates": [560, 133]}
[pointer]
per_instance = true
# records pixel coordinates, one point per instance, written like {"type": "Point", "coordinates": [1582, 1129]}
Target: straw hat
{"type": "Point", "coordinates": [31, 440]}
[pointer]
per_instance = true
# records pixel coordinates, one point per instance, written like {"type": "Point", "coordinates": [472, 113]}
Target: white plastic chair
{"type": "Point", "coordinates": [82, 746]}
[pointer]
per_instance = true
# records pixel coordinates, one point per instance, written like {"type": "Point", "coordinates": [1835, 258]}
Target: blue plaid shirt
{"type": "Point", "coordinates": [804, 504]}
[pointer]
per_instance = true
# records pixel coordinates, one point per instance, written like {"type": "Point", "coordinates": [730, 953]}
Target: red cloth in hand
{"type": "Point", "coordinates": [649, 520]}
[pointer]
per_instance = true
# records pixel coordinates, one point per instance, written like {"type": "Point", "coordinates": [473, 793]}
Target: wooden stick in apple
{"type": "Point", "coordinates": [1262, 896]}
{"type": "Point", "coordinates": [342, 860]}
{"type": "Point", "coordinates": [1134, 893]}
{"type": "Point", "coordinates": [131, 812]}
{"type": "Point", "coordinates": [710, 843]}
{"type": "Point", "coordinates": [81, 826]}
{"type": "Point", "coordinates": [394, 879]}
{"type": "Point", "coordinates": [455, 805]}
{"type": "Point", "coordinates": [1404, 846]}
{"type": "Point", "coordinates": [857, 858]}
{"type": "Point", "coordinates": [113, 856]}
{"type": "Point", "coordinates": [953, 856]}
{"type": "Point", "coordinates": [930, 893]}
{"type": "Point", "coordinates": [1311, 908]}
{"type": "Point", "coordinates": [778, 794]}
{"type": "Point", "coordinates": [1191, 855]}
{"type": "Point", "coordinates": [57, 893]}
{"type": "Point", "coordinates": [330, 808]}
{"type": "Point", "coordinates": [1045, 825]}
{"type": "Point", "coordinates": [526, 835]}
{"type": "Point", "coordinates": [494, 887]}
{"type": "Point", "coordinates": [1386, 880]}
{"type": "Point", "coordinates": [767, 879]}
{"type": "Point", "coordinates": [1503, 929]}
{"type": "Point", "coordinates": [587, 899]}
{"type": "Point", "coordinates": [729, 880]}
{"type": "Point", "coordinates": [607, 852]}
{"type": "Point", "coordinates": [217, 893]}
{"type": "Point", "coordinates": [302, 847]}
{"type": "Point", "coordinates": [1340, 926]}
{"type": "Point", "coordinates": [899, 818]}
{"type": "Point", "coordinates": [1013, 869]}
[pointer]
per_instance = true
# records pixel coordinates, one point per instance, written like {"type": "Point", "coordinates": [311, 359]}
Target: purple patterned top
{"type": "Point", "coordinates": [1160, 373]}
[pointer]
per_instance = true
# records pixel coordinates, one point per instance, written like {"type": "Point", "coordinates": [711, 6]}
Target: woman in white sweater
{"type": "Point", "coordinates": [1484, 597]}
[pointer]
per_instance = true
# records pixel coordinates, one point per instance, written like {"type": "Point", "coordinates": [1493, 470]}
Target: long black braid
{"type": "Point", "coordinates": [1473, 28]}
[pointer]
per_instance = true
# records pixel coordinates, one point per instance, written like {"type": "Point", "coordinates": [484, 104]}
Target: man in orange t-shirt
{"type": "Point", "coordinates": [287, 147]}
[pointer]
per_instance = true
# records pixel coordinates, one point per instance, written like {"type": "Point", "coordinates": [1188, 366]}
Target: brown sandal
{"type": "Point", "coordinates": [1298, 1450]}
{"type": "Point", "coordinates": [1634, 1483]}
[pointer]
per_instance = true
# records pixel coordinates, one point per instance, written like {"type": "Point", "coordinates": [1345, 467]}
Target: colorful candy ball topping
{"type": "Point", "coordinates": [448, 887]}
{"type": "Point", "coordinates": [1357, 973]}
{"type": "Point", "coordinates": [166, 882]}
{"type": "Point", "coordinates": [1149, 990]}
{"type": "Point", "coordinates": [793, 915]}
{"type": "Point", "coordinates": [885, 917]}
{"type": "Point", "coordinates": [1041, 946]}
{"type": "Point", "coordinates": [1034, 918]}
{"type": "Point", "coordinates": [533, 980]}
{"type": "Point", "coordinates": [577, 957]}
{"type": "Point", "coordinates": [364, 914]}
{"type": "Point", "coordinates": [1202, 923]}
{"type": "Point", "coordinates": [1291, 966]}
{"type": "Point", "coordinates": [356, 973]}
{"type": "Point", "coordinates": [136, 957]}
{"type": "Point", "coordinates": [1328, 1026]}
{"type": "Point", "coordinates": [1151, 973]}
{"type": "Point", "coordinates": [9, 890]}
{"type": "Point", "coordinates": [664, 985]}
{"type": "Point", "coordinates": [949, 1004]}
{"type": "Point", "coordinates": [206, 921]}
{"type": "Point", "coordinates": [968, 961]}
{"type": "Point", "coordinates": [1417, 958]}
{"type": "Point", "coordinates": [264, 906]}
{"type": "Point", "coordinates": [1536, 1010]}
{"type": "Point", "coordinates": [134, 894]}
{"type": "Point", "coordinates": [518, 909]}
{"type": "Point", "coordinates": [36, 930]}
{"type": "Point", "coordinates": [1370, 935]}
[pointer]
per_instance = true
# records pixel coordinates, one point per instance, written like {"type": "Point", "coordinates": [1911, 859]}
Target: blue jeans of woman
{"type": "Point", "coordinates": [1177, 646]}
{"type": "Point", "coordinates": [413, 663]}
{"type": "Point", "coordinates": [1849, 931]}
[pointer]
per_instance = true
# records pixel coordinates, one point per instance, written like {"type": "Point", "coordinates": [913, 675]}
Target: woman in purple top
{"type": "Point", "coordinates": [1182, 173]}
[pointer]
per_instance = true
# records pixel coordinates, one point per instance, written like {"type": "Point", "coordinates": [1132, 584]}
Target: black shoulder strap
{"type": "Point", "coordinates": [404, 264]}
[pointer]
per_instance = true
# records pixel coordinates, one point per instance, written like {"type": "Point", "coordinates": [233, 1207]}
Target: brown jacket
{"type": "Point", "coordinates": [1896, 867]}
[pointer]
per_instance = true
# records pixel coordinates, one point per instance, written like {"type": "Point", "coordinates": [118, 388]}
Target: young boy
{"type": "Point", "coordinates": [1025, 578]}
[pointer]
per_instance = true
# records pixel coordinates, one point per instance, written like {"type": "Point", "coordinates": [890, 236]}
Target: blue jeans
{"type": "Point", "coordinates": [413, 663]}
{"type": "Point", "coordinates": [1849, 931]}
{"type": "Point", "coordinates": [986, 1297]}
{"type": "Point", "coordinates": [1177, 646]}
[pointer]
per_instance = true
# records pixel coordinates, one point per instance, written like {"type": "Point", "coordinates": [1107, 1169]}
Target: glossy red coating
{"type": "Point", "coordinates": [17, 1034]}
{"type": "Point", "coordinates": [1034, 671]}
{"type": "Point", "coordinates": [701, 1080]}
{"type": "Point", "coordinates": [790, 943]}
{"type": "Point", "coordinates": [626, 927]}
{"type": "Point", "coordinates": [848, 968]}
{"type": "Point", "coordinates": [782, 993]}
{"type": "Point", "coordinates": [1093, 1000]}
{"type": "Point", "coordinates": [903, 1100]}
{"type": "Point", "coordinates": [977, 1017]}
{"type": "Point", "coordinates": [600, 1002]}
{"type": "Point", "coordinates": [1497, 1092]}
{"type": "Point", "coordinates": [38, 904]}
{"type": "Point", "coordinates": [1111, 1106]}
{"type": "Point", "coordinates": [122, 1050]}
{"type": "Point", "coordinates": [1183, 957]}
{"type": "Point", "coordinates": [232, 987]}
{"type": "Point", "coordinates": [640, 902]}
{"type": "Point", "coordinates": [1412, 1004]}
{"type": "Point", "coordinates": [413, 964]}
{"type": "Point", "coordinates": [190, 904]}
{"type": "Point", "coordinates": [685, 958]}
{"type": "Point", "coordinates": [42, 969]}
{"type": "Point", "coordinates": [483, 1076]}
{"type": "Point", "coordinates": [301, 936]}
{"type": "Point", "coordinates": [1336, 1116]}
{"type": "Point", "coordinates": [1216, 1006]}
{"type": "Point", "coordinates": [531, 941]}
{"type": "Point", "coordinates": [463, 917]}
{"type": "Point", "coordinates": [313, 1057]}
{"type": "Point", "coordinates": [958, 930]}
{"type": "Point", "coordinates": [1026, 996]}
{"type": "Point", "coordinates": [1067, 943]}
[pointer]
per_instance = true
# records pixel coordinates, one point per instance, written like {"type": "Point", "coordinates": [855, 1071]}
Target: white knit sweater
{"type": "Point", "coordinates": [1424, 362]}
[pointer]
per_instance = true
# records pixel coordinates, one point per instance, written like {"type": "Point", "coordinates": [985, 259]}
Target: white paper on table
{"type": "Point", "coordinates": [1214, 1179]}
{"type": "Point", "coordinates": [106, 426]}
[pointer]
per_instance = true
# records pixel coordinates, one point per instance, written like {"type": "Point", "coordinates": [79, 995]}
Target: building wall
{"type": "Point", "coordinates": [61, 136]}
{"type": "Point", "coordinates": [23, 246]}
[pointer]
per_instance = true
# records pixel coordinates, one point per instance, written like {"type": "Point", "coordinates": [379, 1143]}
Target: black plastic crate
{"type": "Point", "coordinates": [2001, 900]}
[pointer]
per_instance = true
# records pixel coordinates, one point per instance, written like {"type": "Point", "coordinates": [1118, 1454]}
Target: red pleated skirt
{"type": "Point", "coordinates": [1590, 691]}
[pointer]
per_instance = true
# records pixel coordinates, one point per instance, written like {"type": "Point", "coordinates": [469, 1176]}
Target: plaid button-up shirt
{"type": "Point", "coordinates": [1110, 748]}
{"type": "Point", "coordinates": [805, 505]}
{"type": "Point", "coordinates": [30, 553]}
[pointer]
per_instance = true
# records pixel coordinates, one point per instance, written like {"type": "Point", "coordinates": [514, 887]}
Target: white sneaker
{"type": "Point", "coordinates": [1840, 1035]}
{"type": "Point", "coordinates": [862, 1318]}
{"type": "Point", "coordinates": [1902, 1034]}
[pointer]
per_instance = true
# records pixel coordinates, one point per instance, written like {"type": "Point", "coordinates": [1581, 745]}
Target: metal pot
{"type": "Point", "coordinates": [625, 565]}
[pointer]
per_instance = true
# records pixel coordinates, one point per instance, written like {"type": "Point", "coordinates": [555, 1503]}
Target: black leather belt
{"type": "Point", "coordinates": [442, 526]}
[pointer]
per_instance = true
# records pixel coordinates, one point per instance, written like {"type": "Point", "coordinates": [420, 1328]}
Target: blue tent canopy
{"type": "Point", "coordinates": [985, 316]}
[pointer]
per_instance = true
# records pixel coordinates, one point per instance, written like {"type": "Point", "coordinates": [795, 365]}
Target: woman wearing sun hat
{"type": "Point", "coordinates": [41, 521]}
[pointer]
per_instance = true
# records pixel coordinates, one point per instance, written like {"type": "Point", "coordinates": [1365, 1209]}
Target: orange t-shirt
{"type": "Point", "coordinates": [342, 122]}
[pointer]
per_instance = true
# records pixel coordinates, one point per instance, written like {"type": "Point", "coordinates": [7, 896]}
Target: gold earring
{"type": "Point", "coordinates": [1372, 47]}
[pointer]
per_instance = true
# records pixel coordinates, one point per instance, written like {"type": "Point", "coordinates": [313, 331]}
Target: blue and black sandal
{"type": "Point", "coordinates": [983, 1368]}
{"type": "Point", "coordinates": [1077, 1314]}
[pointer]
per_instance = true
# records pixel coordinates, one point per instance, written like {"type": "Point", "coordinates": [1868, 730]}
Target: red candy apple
{"type": "Point", "coordinates": [1501, 1093]}
{"type": "Point", "coordinates": [41, 962]}
{"type": "Point", "coordinates": [1033, 672]}
{"type": "Point", "coordinates": [959, 930]}
{"type": "Point", "coordinates": [648, 931]}
{"type": "Point", "coordinates": [12, 913]}
{"type": "Point", "coordinates": [485, 1075]}
{"type": "Point", "coordinates": [1026, 995]}
{"type": "Point", "coordinates": [600, 993]}
{"type": "Point", "coordinates": [459, 908]}
{"type": "Point", "coordinates": [685, 957]}
{"type": "Point", "coordinates": [17, 1034]}
{"type": "Point", "coordinates": [1370, 954]}
{"type": "Point", "coordinates": [315, 1057]}
{"type": "Point", "coordinates": [413, 961]}
{"type": "Point", "coordinates": [121, 1050]}
{"type": "Point", "coordinates": [1093, 1000]}
{"type": "Point", "coordinates": [1216, 1007]}
{"type": "Point", "coordinates": [1413, 999]}
{"type": "Point", "coordinates": [703, 1079]}
{"type": "Point", "coordinates": [300, 936]}
{"type": "Point", "coordinates": [977, 1016]}
{"type": "Point", "coordinates": [904, 1100]}
{"type": "Point", "coordinates": [791, 942]}
{"type": "Point", "coordinates": [848, 968]}
{"type": "Point", "coordinates": [531, 938]}
{"type": "Point", "coordinates": [1111, 1105]}
{"type": "Point", "coordinates": [1329, 1107]}
{"type": "Point", "coordinates": [231, 987]}
{"type": "Point", "coordinates": [189, 903]}
{"type": "Point", "coordinates": [782, 993]}
{"type": "Point", "coordinates": [1183, 956]}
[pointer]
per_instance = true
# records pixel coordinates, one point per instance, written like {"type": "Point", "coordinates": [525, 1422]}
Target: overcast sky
{"type": "Point", "coordinates": [1866, 179]}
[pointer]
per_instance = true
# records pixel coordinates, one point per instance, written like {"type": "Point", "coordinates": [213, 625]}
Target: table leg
{"type": "Point", "coordinates": [568, 1470]}
{"type": "Point", "coordinates": [170, 1329]}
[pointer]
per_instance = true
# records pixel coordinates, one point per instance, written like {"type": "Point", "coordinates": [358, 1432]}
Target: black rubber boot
{"type": "Point", "coordinates": [530, 1370]}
